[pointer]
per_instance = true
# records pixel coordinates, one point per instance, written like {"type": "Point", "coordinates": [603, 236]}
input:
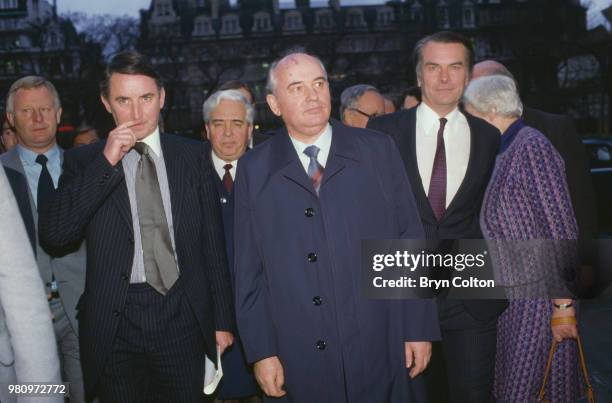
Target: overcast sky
{"type": "Point", "coordinates": [131, 7]}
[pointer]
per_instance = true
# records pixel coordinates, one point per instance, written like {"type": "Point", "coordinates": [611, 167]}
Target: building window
{"type": "Point", "coordinates": [293, 21]}
{"type": "Point", "coordinates": [354, 19]}
{"type": "Point", "coordinates": [442, 15]}
{"type": "Point", "coordinates": [468, 18]}
{"type": "Point", "coordinates": [384, 17]}
{"type": "Point", "coordinates": [230, 25]}
{"type": "Point", "coordinates": [8, 4]}
{"type": "Point", "coordinates": [415, 13]}
{"type": "Point", "coordinates": [202, 27]}
{"type": "Point", "coordinates": [164, 9]}
{"type": "Point", "coordinates": [261, 22]}
{"type": "Point", "coordinates": [325, 20]}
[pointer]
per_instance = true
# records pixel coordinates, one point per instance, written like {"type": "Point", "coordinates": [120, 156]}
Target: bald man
{"type": "Point", "coordinates": [304, 201]}
{"type": "Point", "coordinates": [561, 132]}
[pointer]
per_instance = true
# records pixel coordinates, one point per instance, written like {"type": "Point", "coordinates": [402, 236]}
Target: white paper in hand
{"type": "Point", "coordinates": [212, 376]}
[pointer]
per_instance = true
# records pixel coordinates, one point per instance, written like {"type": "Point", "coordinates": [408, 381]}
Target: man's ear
{"type": "Point", "coordinates": [58, 116]}
{"type": "Point", "coordinates": [10, 116]}
{"type": "Point", "coordinates": [162, 97]}
{"type": "Point", "coordinates": [207, 131]}
{"type": "Point", "coordinates": [273, 104]}
{"type": "Point", "coordinates": [106, 103]}
{"type": "Point", "coordinates": [250, 135]}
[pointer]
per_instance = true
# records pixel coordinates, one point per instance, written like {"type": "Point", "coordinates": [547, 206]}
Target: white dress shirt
{"type": "Point", "coordinates": [456, 144]}
{"type": "Point", "coordinates": [130, 166]}
{"type": "Point", "coordinates": [323, 142]}
{"type": "Point", "coordinates": [218, 163]}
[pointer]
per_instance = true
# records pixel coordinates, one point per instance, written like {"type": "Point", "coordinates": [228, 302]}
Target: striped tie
{"type": "Point", "coordinates": [315, 170]}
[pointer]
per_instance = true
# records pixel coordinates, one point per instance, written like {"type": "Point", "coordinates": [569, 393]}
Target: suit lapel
{"type": "Point", "coordinates": [122, 201]}
{"type": "Point", "coordinates": [13, 161]}
{"type": "Point", "coordinates": [407, 146]}
{"type": "Point", "coordinates": [286, 161]}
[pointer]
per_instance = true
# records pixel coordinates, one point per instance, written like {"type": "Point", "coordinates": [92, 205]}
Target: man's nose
{"type": "Point", "coordinates": [227, 129]}
{"type": "Point", "coordinates": [37, 116]}
{"type": "Point", "coordinates": [444, 75]}
{"type": "Point", "coordinates": [136, 112]}
{"type": "Point", "coordinates": [312, 93]}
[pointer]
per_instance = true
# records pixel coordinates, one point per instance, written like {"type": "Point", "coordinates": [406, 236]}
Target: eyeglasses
{"type": "Point", "coordinates": [373, 115]}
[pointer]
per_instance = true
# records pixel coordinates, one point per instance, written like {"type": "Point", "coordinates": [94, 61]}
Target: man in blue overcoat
{"type": "Point", "coordinates": [304, 201]}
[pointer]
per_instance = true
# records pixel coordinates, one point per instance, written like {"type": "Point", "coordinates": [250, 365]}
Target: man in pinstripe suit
{"type": "Point", "coordinates": [157, 294]}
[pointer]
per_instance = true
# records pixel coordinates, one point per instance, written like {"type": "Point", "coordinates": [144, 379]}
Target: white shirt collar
{"type": "Point", "coordinates": [219, 164]}
{"type": "Point", "coordinates": [430, 120]}
{"type": "Point", "coordinates": [323, 142]}
{"type": "Point", "coordinates": [153, 141]}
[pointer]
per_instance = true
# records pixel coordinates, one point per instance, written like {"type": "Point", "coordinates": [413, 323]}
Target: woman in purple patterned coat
{"type": "Point", "coordinates": [527, 199]}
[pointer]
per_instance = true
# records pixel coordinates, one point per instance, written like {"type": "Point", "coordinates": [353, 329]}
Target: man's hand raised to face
{"type": "Point", "coordinates": [120, 141]}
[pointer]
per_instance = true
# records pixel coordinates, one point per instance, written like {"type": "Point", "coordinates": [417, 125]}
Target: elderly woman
{"type": "Point", "coordinates": [526, 199]}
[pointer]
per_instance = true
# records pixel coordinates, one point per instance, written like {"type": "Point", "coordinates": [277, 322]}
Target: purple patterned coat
{"type": "Point", "coordinates": [528, 198]}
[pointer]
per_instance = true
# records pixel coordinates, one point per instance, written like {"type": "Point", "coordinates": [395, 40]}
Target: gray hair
{"type": "Point", "coordinates": [27, 83]}
{"type": "Point", "coordinates": [229, 95]}
{"type": "Point", "coordinates": [350, 96]}
{"type": "Point", "coordinates": [494, 94]}
{"type": "Point", "coordinates": [271, 81]}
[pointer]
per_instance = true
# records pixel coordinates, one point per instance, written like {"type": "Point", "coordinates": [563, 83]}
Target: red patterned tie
{"type": "Point", "coordinates": [315, 170]}
{"type": "Point", "coordinates": [228, 182]}
{"type": "Point", "coordinates": [437, 185]}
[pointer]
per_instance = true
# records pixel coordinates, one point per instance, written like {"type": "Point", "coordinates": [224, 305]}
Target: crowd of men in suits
{"type": "Point", "coordinates": [155, 250]}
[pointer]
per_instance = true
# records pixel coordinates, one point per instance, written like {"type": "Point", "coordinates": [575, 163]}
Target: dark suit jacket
{"type": "Point", "coordinates": [92, 203]}
{"type": "Point", "coordinates": [561, 132]}
{"type": "Point", "coordinates": [297, 267]}
{"type": "Point", "coordinates": [462, 217]}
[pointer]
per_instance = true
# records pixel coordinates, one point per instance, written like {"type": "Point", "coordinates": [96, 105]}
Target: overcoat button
{"type": "Point", "coordinates": [312, 257]}
{"type": "Point", "coordinates": [320, 345]}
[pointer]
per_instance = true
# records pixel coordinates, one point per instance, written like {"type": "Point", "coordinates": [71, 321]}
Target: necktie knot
{"type": "Point", "coordinates": [443, 123]}
{"type": "Point", "coordinates": [227, 167]}
{"type": "Point", "coordinates": [312, 151]}
{"type": "Point", "coordinates": [42, 159]}
{"type": "Point", "coordinates": [141, 148]}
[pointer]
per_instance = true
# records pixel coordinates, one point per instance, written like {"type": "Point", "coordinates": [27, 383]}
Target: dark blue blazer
{"type": "Point", "coordinates": [298, 273]}
{"type": "Point", "coordinates": [92, 202]}
{"type": "Point", "coordinates": [238, 380]}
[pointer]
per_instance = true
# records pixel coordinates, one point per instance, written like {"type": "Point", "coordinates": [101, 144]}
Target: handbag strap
{"type": "Point", "coordinates": [583, 367]}
{"type": "Point", "coordinates": [585, 372]}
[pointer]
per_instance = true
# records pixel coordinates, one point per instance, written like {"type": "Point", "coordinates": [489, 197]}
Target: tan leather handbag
{"type": "Point", "coordinates": [583, 367]}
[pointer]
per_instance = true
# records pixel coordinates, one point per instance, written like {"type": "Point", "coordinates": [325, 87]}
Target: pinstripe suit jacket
{"type": "Point", "coordinates": [92, 203]}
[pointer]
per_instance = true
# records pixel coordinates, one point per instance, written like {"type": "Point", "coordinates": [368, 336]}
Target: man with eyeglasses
{"type": "Point", "coordinates": [360, 103]}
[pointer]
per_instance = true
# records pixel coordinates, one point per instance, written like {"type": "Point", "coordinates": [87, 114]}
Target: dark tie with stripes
{"type": "Point", "coordinates": [159, 263]}
{"type": "Point", "coordinates": [437, 185]}
{"type": "Point", "coordinates": [315, 170]}
{"type": "Point", "coordinates": [45, 183]}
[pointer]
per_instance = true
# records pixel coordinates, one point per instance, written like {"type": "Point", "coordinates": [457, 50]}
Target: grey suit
{"type": "Point", "coordinates": [68, 267]}
{"type": "Point", "coordinates": [28, 352]}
